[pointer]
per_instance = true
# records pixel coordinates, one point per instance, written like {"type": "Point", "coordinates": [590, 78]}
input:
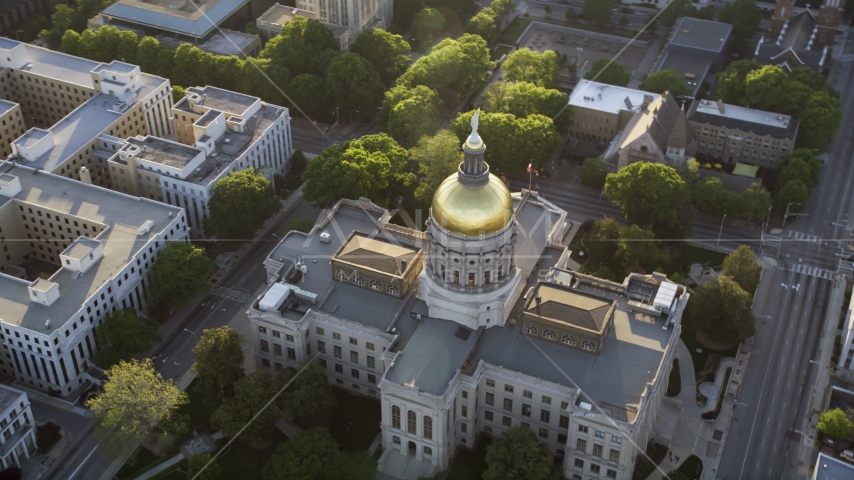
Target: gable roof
{"type": "Point", "coordinates": [560, 304]}
{"type": "Point", "coordinates": [378, 254]}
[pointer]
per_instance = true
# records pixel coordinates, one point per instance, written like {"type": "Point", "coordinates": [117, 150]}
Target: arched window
{"type": "Point", "coordinates": [341, 276]}
{"type": "Point", "coordinates": [428, 452]}
{"type": "Point", "coordinates": [375, 285]}
{"type": "Point", "coordinates": [588, 345]}
{"type": "Point", "coordinates": [428, 428]}
{"type": "Point", "coordinates": [395, 440]}
{"type": "Point", "coordinates": [410, 421]}
{"type": "Point", "coordinates": [358, 280]}
{"type": "Point", "coordinates": [549, 335]}
{"type": "Point", "coordinates": [395, 416]}
{"type": "Point", "coordinates": [391, 290]}
{"type": "Point", "coordinates": [530, 329]}
{"type": "Point", "coordinates": [568, 339]}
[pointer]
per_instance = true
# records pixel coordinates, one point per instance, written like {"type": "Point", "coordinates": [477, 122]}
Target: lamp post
{"type": "Point", "coordinates": [193, 334]}
{"type": "Point", "coordinates": [580, 63]}
{"type": "Point", "coordinates": [786, 216]}
{"type": "Point", "coordinates": [721, 230]}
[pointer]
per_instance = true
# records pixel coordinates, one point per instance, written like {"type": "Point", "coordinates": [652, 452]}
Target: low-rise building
{"type": "Point", "coordinates": [696, 49]}
{"type": "Point", "coordinates": [845, 366]}
{"type": "Point", "coordinates": [600, 110]}
{"type": "Point", "coordinates": [802, 39]}
{"type": "Point", "coordinates": [81, 252]}
{"type": "Point", "coordinates": [733, 134]}
{"type": "Point", "coordinates": [272, 21]}
{"type": "Point", "coordinates": [12, 124]}
{"type": "Point", "coordinates": [355, 16]}
{"type": "Point", "coordinates": [18, 427]}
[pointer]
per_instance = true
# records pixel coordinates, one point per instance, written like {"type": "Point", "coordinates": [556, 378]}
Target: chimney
{"type": "Point", "coordinates": [647, 99]}
{"type": "Point", "coordinates": [403, 266]}
{"type": "Point", "coordinates": [721, 106]}
{"type": "Point", "coordinates": [85, 176]}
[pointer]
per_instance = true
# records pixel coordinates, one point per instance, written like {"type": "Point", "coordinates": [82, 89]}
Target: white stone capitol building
{"type": "Point", "coordinates": [473, 327]}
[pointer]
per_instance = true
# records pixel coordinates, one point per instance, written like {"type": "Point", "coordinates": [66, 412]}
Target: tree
{"type": "Point", "coordinates": [70, 41]}
{"type": "Point", "coordinates": [611, 72]}
{"type": "Point", "coordinates": [372, 166]}
{"type": "Point", "coordinates": [765, 88]}
{"type": "Point", "coordinates": [178, 92]}
{"type": "Point", "coordinates": [794, 168]}
{"type": "Point", "coordinates": [676, 9]}
{"type": "Point", "coordinates": [197, 462]}
{"type": "Point", "coordinates": [744, 15]}
{"type": "Point", "coordinates": [385, 51]}
{"type": "Point", "coordinates": [357, 466]}
{"type": "Point", "coordinates": [309, 92]}
{"type": "Point", "coordinates": [665, 81]}
{"type": "Point", "coordinates": [820, 120]}
{"type": "Point", "coordinates": [122, 336]}
{"type": "Point", "coordinates": [251, 393]}
{"type": "Point", "coordinates": [593, 172]}
{"type": "Point", "coordinates": [304, 46]}
{"type": "Point", "coordinates": [722, 310]}
{"type": "Point", "coordinates": [793, 192]}
{"type": "Point", "coordinates": [437, 157]}
{"type": "Point", "coordinates": [353, 85]}
{"type": "Point", "coordinates": [180, 272]}
{"type": "Point", "coordinates": [524, 98]}
{"type": "Point", "coordinates": [453, 67]}
{"type": "Point", "coordinates": [412, 113]}
{"type": "Point", "coordinates": [753, 203]}
{"type": "Point", "coordinates": [602, 241]}
{"type": "Point", "coordinates": [242, 191]}
{"type": "Point", "coordinates": [308, 402]}
{"type": "Point", "coordinates": [308, 455]}
{"type": "Point", "coordinates": [525, 65]}
{"type": "Point", "coordinates": [598, 12]}
{"type": "Point", "coordinates": [484, 24]}
{"type": "Point", "coordinates": [835, 424]}
{"type": "Point", "coordinates": [62, 19]}
{"type": "Point", "coordinates": [710, 195]}
{"type": "Point", "coordinates": [731, 82]}
{"type": "Point", "coordinates": [652, 194]}
{"type": "Point", "coordinates": [133, 401]}
{"type": "Point", "coordinates": [428, 22]}
{"type": "Point", "coordinates": [87, 46]}
{"type": "Point", "coordinates": [502, 9]}
{"type": "Point", "coordinates": [638, 245]}
{"type": "Point", "coordinates": [146, 54]}
{"type": "Point", "coordinates": [519, 455]}
{"type": "Point", "coordinates": [741, 267]}
{"type": "Point", "coordinates": [219, 364]}
{"type": "Point", "coordinates": [571, 15]}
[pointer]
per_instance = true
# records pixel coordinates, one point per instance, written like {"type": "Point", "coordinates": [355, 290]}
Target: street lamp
{"type": "Point", "coordinates": [721, 230]}
{"type": "Point", "coordinates": [786, 216]}
{"type": "Point", "coordinates": [193, 334]}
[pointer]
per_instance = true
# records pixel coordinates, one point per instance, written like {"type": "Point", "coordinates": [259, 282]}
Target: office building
{"type": "Point", "coordinates": [696, 50]}
{"type": "Point", "coordinates": [355, 15]}
{"type": "Point", "coordinates": [468, 348]}
{"type": "Point", "coordinates": [82, 251]}
{"type": "Point", "coordinates": [734, 134]}
{"type": "Point", "coordinates": [18, 438]}
{"type": "Point", "coordinates": [272, 21]}
{"type": "Point", "coordinates": [600, 110]}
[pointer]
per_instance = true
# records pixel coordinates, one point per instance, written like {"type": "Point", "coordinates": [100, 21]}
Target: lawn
{"type": "Point", "coordinates": [643, 468]}
{"type": "Point", "coordinates": [243, 461]}
{"type": "Point", "coordinates": [692, 467]}
{"type": "Point", "coordinates": [511, 34]}
{"type": "Point", "coordinates": [499, 51]}
{"type": "Point", "coordinates": [689, 337]}
{"type": "Point", "coordinates": [470, 464]}
{"type": "Point", "coordinates": [356, 422]}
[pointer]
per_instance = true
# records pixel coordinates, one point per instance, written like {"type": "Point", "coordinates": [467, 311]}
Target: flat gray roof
{"type": "Point", "coordinates": [829, 468]}
{"type": "Point", "coordinates": [81, 247]}
{"type": "Point", "coordinates": [121, 213]}
{"type": "Point", "coordinates": [607, 98]}
{"type": "Point", "coordinates": [698, 67]}
{"type": "Point", "coordinates": [6, 105]}
{"type": "Point", "coordinates": [222, 100]}
{"type": "Point", "coordinates": [165, 152]}
{"type": "Point", "coordinates": [701, 34]}
{"type": "Point", "coordinates": [174, 15]}
{"type": "Point", "coordinates": [9, 398]}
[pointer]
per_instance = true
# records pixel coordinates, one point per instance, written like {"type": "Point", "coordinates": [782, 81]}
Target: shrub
{"type": "Point", "coordinates": [47, 435]}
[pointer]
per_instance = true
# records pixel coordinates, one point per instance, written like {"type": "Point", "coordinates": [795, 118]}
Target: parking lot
{"type": "Point", "coordinates": [566, 41]}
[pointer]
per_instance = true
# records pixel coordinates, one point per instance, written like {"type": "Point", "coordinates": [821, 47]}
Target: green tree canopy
{"type": "Point", "coordinates": [602, 241]}
{"type": "Point", "coordinates": [744, 15]}
{"type": "Point", "coordinates": [372, 166]}
{"type": "Point", "coordinates": [593, 172]}
{"type": "Point", "coordinates": [652, 194]}
{"type": "Point", "coordinates": [353, 84]}
{"type": "Point", "coordinates": [502, 8]}
{"type": "Point", "coordinates": [242, 191]}
{"type": "Point", "coordinates": [722, 310]}
{"type": "Point", "coordinates": [218, 365]}
{"type": "Point", "coordinates": [122, 336]}
{"type": "Point", "coordinates": [251, 393]}
{"type": "Point", "coordinates": [428, 22]}
{"type": "Point", "coordinates": [453, 66]}
{"type": "Point", "coordinates": [731, 82]}
{"type": "Point", "coordinates": [835, 424]}
{"type": "Point", "coordinates": [598, 12]}
{"type": "Point", "coordinates": [741, 267]}
{"type": "Point", "coordinates": [484, 24]}
{"type": "Point", "coordinates": [385, 51]}
{"type": "Point", "coordinates": [512, 142]}
{"type": "Point", "coordinates": [665, 81]}
{"type": "Point", "coordinates": [519, 455]}
{"type": "Point", "coordinates": [310, 93]}
{"type": "Point", "coordinates": [134, 400]}
{"type": "Point", "coordinates": [309, 401]}
{"type": "Point", "coordinates": [612, 73]}
{"type": "Point", "coordinates": [180, 272]}
{"type": "Point", "coordinates": [794, 168]}
{"type": "Point", "coordinates": [753, 203]}
{"type": "Point", "coordinates": [211, 472]}
{"type": "Point", "coordinates": [412, 113]}
{"type": "Point", "coordinates": [524, 98]}
{"type": "Point", "coordinates": [710, 195]}
{"type": "Point", "coordinates": [820, 120]}
{"type": "Point", "coordinates": [437, 157]}
{"type": "Point", "coordinates": [638, 246]}
{"type": "Point", "coordinates": [308, 455]}
{"type": "Point", "coordinates": [70, 41]}
{"type": "Point", "coordinates": [304, 46]}
{"type": "Point", "coordinates": [525, 65]}
{"type": "Point", "coordinates": [794, 191]}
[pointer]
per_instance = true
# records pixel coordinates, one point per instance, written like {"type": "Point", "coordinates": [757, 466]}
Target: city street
{"type": "Point", "coordinates": [174, 356]}
{"type": "Point", "coordinates": [765, 437]}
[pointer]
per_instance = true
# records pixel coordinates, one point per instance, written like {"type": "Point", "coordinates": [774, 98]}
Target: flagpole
{"type": "Point", "coordinates": [530, 174]}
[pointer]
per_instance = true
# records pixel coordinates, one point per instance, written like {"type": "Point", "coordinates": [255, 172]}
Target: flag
{"type": "Point", "coordinates": [529, 167]}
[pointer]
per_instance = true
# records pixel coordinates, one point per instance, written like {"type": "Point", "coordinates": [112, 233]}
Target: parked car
{"type": "Point", "coordinates": [847, 455]}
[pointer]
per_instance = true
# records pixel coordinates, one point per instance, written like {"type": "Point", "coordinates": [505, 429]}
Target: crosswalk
{"type": "Point", "coordinates": [804, 237]}
{"type": "Point", "coordinates": [230, 294]}
{"type": "Point", "coordinates": [770, 244]}
{"type": "Point", "coordinates": [813, 271]}
{"type": "Point", "coordinates": [847, 58]}
{"type": "Point", "coordinates": [845, 267]}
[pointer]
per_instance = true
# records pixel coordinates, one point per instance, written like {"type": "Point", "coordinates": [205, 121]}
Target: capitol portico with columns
{"type": "Point", "coordinates": [473, 326]}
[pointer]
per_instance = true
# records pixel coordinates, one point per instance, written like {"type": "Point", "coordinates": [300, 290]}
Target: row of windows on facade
{"type": "Point", "coordinates": [488, 276]}
{"type": "Point", "coordinates": [749, 139]}
{"type": "Point", "coordinates": [567, 339]}
{"type": "Point", "coordinates": [357, 279]}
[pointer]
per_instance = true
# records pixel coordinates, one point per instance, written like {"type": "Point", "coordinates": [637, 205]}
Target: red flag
{"type": "Point", "coordinates": [529, 167]}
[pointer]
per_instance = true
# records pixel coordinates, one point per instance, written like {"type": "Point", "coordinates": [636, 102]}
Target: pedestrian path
{"type": "Point", "coordinates": [847, 58]}
{"type": "Point", "coordinates": [806, 237]}
{"type": "Point", "coordinates": [231, 294]}
{"type": "Point", "coordinates": [813, 271]}
{"type": "Point", "coordinates": [770, 244]}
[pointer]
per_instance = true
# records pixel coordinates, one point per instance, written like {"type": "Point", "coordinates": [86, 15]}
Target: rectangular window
{"type": "Point", "coordinates": [410, 421]}
{"type": "Point", "coordinates": [372, 378]}
{"type": "Point", "coordinates": [292, 354]}
{"type": "Point", "coordinates": [595, 468]}
{"type": "Point", "coordinates": [395, 418]}
{"type": "Point", "coordinates": [354, 341]}
{"type": "Point", "coordinates": [371, 362]}
{"type": "Point", "coordinates": [508, 404]}
{"type": "Point", "coordinates": [526, 410]}
{"type": "Point", "coordinates": [582, 428]}
{"type": "Point", "coordinates": [318, 330]}
{"type": "Point", "coordinates": [265, 347]}
{"type": "Point", "coordinates": [369, 345]}
{"type": "Point", "coordinates": [490, 399]}
{"type": "Point", "coordinates": [616, 439]}
{"type": "Point", "coordinates": [336, 351]}
{"type": "Point", "coordinates": [277, 350]}
{"type": "Point", "coordinates": [597, 450]}
{"type": "Point", "coordinates": [611, 473]}
{"type": "Point", "coordinates": [321, 347]}
{"type": "Point", "coordinates": [339, 368]}
{"type": "Point", "coordinates": [547, 400]}
{"type": "Point", "coordinates": [508, 388]}
{"type": "Point", "coordinates": [490, 382]}
{"type": "Point", "coordinates": [579, 463]}
{"type": "Point", "coordinates": [465, 411]}
{"type": "Point", "coordinates": [527, 394]}
{"type": "Point", "coordinates": [545, 416]}
{"type": "Point", "coordinates": [506, 421]}
{"type": "Point", "coordinates": [354, 357]}
{"type": "Point", "coordinates": [544, 433]}
{"type": "Point", "coordinates": [564, 421]}
{"type": "Point", "coordinates": [289, 338]}
{"type": "Point", "coordinates": [487, 415]}
{"type": "Point", "coordinates": [561, 438]}
{"type": "Point", "coordinates": [354, 373]}
{"type": "Point", "coordinates": [581, 445]}
{"type": "Point", "coordinates": [336, 335]}
{"type": "Point", "coordinates": [600, 434]}
{"type": "Point", "coordinates": [614, 455]}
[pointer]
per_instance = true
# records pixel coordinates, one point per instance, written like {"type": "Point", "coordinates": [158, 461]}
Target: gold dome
{"type": "Point", "coordinates": [472, 211]}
